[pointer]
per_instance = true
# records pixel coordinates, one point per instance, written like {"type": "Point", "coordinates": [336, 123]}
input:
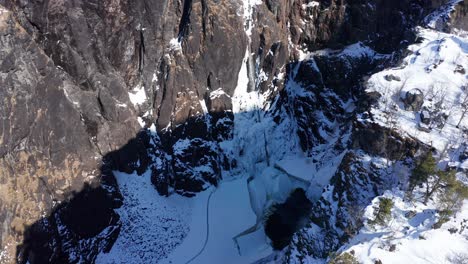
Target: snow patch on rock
{"type": "Point", "coordinates": [138, 95]}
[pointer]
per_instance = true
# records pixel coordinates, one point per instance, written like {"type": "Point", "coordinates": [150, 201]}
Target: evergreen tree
{"type": "Point", "coordinates": [383, 212]}
{"type": "Point", "coordinates": [344, 258]}
{"type": "Point", "coordinates": [451, 197]}
{"type": "Point", "coordinates": [452, 192]}
{"type": "Point", "coordinates": [423, 171]}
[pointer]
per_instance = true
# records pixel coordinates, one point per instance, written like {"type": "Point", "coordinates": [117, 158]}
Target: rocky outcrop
{"type": "Point", "coordinates": [458, 16]}
{"type": "Point", "coordinates": [337, 23]}
{"type": "Point", "coordinates": [196, 165]}
{"type": "Point", "coordinates": [338, 215]}
{"type": "Point", "coordinates": [413, 100]}
{"type": "Point", "coordinates": [449, 16]}
{"type": "Point", "coordinates": [320, 85]}
{"type": "Point", "coordinates": [352, 187]}
{"type": "Point", "coordinates": [363, 173]}
{"type": "Point", "coordinates": [382, 141]}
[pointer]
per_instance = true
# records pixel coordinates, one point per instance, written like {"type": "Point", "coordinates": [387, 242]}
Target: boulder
{"type": "Point", "coordinates": [218, 101]}
{"type": "Point", "coordinates": [372, 98]}
{"type": "Point", "coordinates": [391, 77]}
{"type": "Point", "coordinates": [425, 117]}
{"type": "Point", "coordinates": [413, 100]}
{"type": "Point", "coordinates": [433, 118]}
{"type": "Point", "coordinates": [459, 69]}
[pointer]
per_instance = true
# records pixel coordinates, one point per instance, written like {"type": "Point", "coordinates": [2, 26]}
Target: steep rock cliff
{"type": "Point", "coordinates": [80, 78]}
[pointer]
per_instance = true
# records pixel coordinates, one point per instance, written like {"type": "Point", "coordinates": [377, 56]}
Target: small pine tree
{"type": "Point", "coordinates": [383, 212]}
{"type": "Point", "coordinates": [451, 197]}
{"type": "Point", "coordinates": [426, 173]}
{"type": "Point", "coordinates": [423, 171]}
{"type": "Point", "coordinates": [344, 258]}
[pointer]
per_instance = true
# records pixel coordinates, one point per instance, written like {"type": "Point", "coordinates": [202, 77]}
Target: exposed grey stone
{"type": "Point", "coordinates": [391, 77]}
{"type": "Point", "coordinates": [413, 100]}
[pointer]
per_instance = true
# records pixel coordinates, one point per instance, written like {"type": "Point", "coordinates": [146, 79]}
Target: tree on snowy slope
{"type": "Point", "coordinates": [383, 211]}
{"type": "Point", "coordinates": [344, 258]}
{"type": "Point", "coordinates": [423, 171]}
{"type": "Point", "coordinates": [464, 105]}
{"type": "Point", "coordinates": [451, 197]}
{"type": "Point", "coordinates": [427, 174]}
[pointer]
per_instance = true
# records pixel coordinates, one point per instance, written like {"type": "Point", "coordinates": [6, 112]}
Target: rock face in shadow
{"type": "Point", "coordinates": [80, 228]}
{"type": "Point", "coordinates": [382, 141]}
{"type": "Point", "coordinates": [287, 218]}
{"type": "Point", "coordinates": [52, 133]}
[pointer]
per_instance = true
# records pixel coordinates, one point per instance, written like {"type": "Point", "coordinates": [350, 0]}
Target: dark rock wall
{"type": "Point", "coordinates": [51, 132]}
{"type": "Point", "coordinates": [67, 71]}
{"type": "Point", "coordinates": [458, 16]}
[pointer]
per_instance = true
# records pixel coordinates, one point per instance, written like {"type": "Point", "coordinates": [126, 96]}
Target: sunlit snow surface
{"type": "Point", "coordinates": [137, 95]}
{"type": "Point", "coordinates": [431, 68]}
{"type": "Point", "coordinates": [414, 239]}
{"type": "Point", "coordinates": [174, 229]}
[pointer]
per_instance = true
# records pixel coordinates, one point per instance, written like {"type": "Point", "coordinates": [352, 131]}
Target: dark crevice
{"type": "Point", "coordinates": [165, 70]}
{"type": "Point", "coordinates": [185, 20]}
{"type": "Point", "coordinates": [208, 81]}
{"type": "Point", "coordinates": [204, 17]}
{"type": "Point", "coordinates": [34, 25]}
{"type": "Point", "coordinates": [101, 106]}
{"type": "Point", "coordinates": [141, 62]}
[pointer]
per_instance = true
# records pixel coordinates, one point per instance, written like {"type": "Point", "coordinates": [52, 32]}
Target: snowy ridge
{"type": "Point", "coordinates": [436, 68]}
{"type": "Point", "coordinates": [411, 235]}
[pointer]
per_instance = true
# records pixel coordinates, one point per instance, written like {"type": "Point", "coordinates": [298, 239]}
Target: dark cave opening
{"type": "Point", "coordinates": [288, 218]}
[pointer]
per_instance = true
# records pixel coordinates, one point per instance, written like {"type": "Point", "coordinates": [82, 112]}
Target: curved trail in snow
{"type": "Point", "coordinates": [207, 229]}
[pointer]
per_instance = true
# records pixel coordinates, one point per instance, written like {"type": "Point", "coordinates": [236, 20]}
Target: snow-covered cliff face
{"type": "Point", "coordinates": [239, 104]}
{"type": "Point", "coordinates": [397, 128]}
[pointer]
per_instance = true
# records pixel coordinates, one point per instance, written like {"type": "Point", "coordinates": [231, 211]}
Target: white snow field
{"type": "Point", "coordinates": [414, 239]}
{"type": "Point", "coordinates": [431, 68]}
{"type": "Point", "coordinates": [229, 213]}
